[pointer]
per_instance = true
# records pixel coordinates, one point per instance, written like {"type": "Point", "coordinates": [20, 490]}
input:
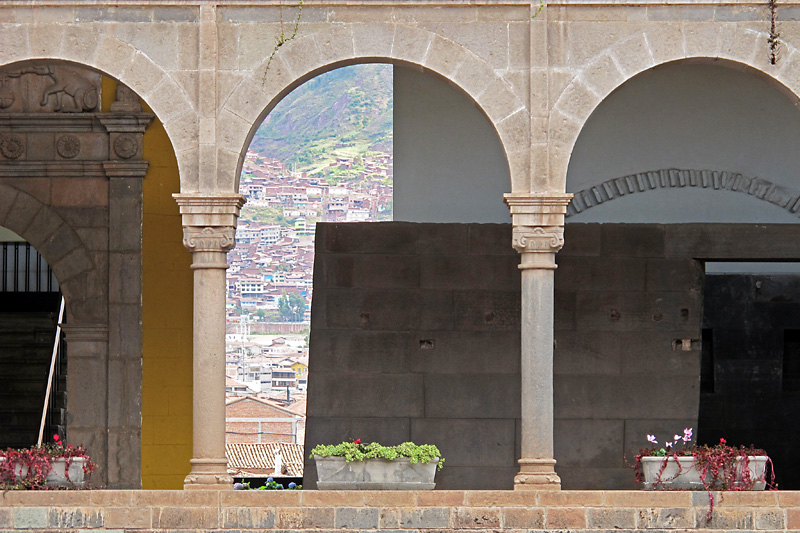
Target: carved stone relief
{"type": "Point", "coordinates": [47, 86]}
{"type": "Point", "coordinates": [11, 146]}
{"type": "Point", "coordinates": [68, 146]}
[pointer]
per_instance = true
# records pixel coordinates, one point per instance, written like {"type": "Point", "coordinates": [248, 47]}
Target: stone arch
{"type": "Point", "coordinates": [59, 245]}
{"type": "Point", "coordinates": [779, 195]}
{"type": "Point", "coordinates": [652, 47]}
{"type": "Point", "coordinates": [305, 57]}
{"type": "Point", "coordinates": [102, 51]}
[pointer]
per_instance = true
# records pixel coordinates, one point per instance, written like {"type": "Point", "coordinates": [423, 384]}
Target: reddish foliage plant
{"type": "Point", "coordinates": [721, 467]}
{"type": "Point", "coordinates": [27, 468]}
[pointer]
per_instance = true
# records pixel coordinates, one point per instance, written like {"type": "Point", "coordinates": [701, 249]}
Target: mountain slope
{"type": "Point", "coordinates": [349, 109]}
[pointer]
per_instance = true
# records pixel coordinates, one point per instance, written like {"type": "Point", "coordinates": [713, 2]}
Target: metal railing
{"type": "Point", "coordinates": [24, 269]}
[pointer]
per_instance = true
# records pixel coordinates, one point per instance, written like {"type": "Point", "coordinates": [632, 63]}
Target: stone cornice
{"type": "Point", "coordinates": [201, 210]}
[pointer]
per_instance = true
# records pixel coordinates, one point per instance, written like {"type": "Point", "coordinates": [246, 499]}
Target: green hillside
{"type": "Point", "coordinates": [347, 111]}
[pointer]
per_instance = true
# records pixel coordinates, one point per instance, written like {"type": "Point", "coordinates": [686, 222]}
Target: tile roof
{"type": "Point", "coordinates": [258, 459]}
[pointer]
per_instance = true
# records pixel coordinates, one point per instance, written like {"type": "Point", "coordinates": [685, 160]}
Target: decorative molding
{"type": "Point", "coordinates": [126, 145]}
{"type": "Point", "coordinates": [68, 146]}
{"type": "Point", "coordinates": [11, 146]}
{"type": "Point", "coordinates": [537, 474]}
{"type": "Point", "coordinates": [200, 210]}
{"type": "Point", "coordinates": [538, 227]}
{"type": "Point", "coordinates": [780, 195]}
{"type": "Point", "coordinates": [538, 245]}
{"type": "Point", "coordinates": [209, 239]}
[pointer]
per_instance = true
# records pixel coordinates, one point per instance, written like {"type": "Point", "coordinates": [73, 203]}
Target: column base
{"type": "Point", "coordinates": [537, 474]}
{"type": "Point", "coordinates": [208, 474]}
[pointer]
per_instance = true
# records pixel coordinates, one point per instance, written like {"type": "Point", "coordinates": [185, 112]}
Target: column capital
{"type": "Point", "coordinates": [209, 226]}
{"type": "Point", "coordinates": [209, 238]}
{"type": "Point", "coordinates": [538, 220]}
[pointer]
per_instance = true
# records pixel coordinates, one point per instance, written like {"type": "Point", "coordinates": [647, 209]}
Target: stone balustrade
{"type": "Point", "coordinates": [156, 511]}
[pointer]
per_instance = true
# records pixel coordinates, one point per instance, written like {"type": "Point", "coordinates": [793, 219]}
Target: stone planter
{"type": "Point", "coordinates": [334, 473]}
{"type": "Point", "coordinates": [57, 477]}
{"type": "Point", "coordinates": [681, 473]}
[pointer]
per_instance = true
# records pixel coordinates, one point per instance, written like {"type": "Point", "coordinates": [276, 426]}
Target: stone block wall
{"type": "Point", "coordinates": [413, 511]}
{"type": "Point", "coordinates": [415, 336]}
{"type": "Point", "coordinates": [627, 353]}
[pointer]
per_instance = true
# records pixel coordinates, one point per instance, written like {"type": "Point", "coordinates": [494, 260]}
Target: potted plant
{"type": "Point", "coordinates": [681, 465]}
{"type": "Point", "coordinates": [356, 466]}
{"type": "Point", "coordinates": [52, 465]}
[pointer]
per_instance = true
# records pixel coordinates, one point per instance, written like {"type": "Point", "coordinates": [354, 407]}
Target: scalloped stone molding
{"type": "Point", "coordinates": [780, 195]}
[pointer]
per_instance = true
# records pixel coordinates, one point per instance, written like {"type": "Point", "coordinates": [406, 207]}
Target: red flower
{"type": "Point", "coordinates": [55, 437]}
{"type": "Point", "coordinates": [722, 441]}
{"type": "Point", "coordinates": [357, 441]}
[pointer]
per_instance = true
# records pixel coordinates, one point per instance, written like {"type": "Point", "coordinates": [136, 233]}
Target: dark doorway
{"type": "Point", "coordinates": [750, 382]}
{"type": "Point", "coordinates": [29, 307]}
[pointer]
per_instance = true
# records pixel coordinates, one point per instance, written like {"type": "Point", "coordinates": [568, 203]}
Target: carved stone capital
{"type": "Point", "coordinates": [538, 245]}
{"type": "Point", "coordinates": [538, 233]}
{"type": "Point", "coordinates": [209, 238]}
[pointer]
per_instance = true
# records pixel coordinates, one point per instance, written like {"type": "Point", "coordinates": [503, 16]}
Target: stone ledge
{"type": "Point", "coordinates": [396, 510]}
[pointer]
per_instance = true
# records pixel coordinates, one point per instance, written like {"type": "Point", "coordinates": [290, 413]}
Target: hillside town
{"type": "Point", "coordinates": [269, 284]}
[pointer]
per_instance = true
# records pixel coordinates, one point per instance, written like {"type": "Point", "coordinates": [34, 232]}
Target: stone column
{"type": "Point", "coordinates": [209, 227]}
{"type": "Point", "coordinates": [538, 233]}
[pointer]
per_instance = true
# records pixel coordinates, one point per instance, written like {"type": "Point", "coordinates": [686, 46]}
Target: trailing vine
{"type": "Point", "coordinates": [283, 38]}
{"type": "Point", "coordinates": [541, 6]}
{"type": "Point", "coordinates": [774, 37]}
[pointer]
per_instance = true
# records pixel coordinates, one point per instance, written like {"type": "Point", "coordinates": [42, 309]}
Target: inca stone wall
{"type": "Point", "coordinates": [415, 336]}
{"type": "Point", "coordinates": [415, 332]}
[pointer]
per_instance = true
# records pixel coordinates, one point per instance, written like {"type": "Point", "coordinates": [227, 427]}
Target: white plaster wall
{"type": "Point", "coordinates": [690, 116]}
{"type": "Point", "coordinates": [449, 165]}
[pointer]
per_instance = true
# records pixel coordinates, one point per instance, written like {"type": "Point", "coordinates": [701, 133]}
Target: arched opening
{"type": "Point", "coordinates": [683, 167]}
{"type": "Point", "coordinates": [77, 172]}
{"type": "Point", "coordinates": [391, 284]}
{"type": "Point", "coordinates": [29, 308]}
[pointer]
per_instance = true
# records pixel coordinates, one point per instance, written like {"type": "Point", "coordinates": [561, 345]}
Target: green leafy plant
{"type": "Point", "coordinates": [356, 451]}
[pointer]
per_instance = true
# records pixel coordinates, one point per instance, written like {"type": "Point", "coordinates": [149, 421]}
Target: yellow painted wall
{"type": "Point", "coordinates": [166, 318]}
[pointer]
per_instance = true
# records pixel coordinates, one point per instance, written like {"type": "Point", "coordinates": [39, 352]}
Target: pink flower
{"type": "Point", "coordinates": [56, 437]}
{"type": "Point", "coordinates": [652, 438]}
{"type": "Point", "coordinates": [722, 441]}
{"type": "Point", "coordinates": [357, 441]}
{"type": "Point", "coordinates": [687, 434]}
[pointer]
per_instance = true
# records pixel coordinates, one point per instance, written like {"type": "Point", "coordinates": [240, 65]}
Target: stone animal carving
{"type": "Point", "coordinates": [67, 82]}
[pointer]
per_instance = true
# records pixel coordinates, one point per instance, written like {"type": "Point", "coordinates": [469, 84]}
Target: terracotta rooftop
{"type": "Point", "coordinates": [258, 460]}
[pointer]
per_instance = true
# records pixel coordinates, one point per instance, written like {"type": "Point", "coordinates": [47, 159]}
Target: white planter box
{"type": "Point", "coordinates": [334, 473]}
{"type": "Point", "coordinates": [683, 474]}
{"type": "Point", "coordinates": [57, 476]}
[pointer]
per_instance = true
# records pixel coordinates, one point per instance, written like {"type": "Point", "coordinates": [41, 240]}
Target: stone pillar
{"type": "Point", "coordinates": [538, 233]}
{"type": "Point", "coordinates": [209, 227]}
